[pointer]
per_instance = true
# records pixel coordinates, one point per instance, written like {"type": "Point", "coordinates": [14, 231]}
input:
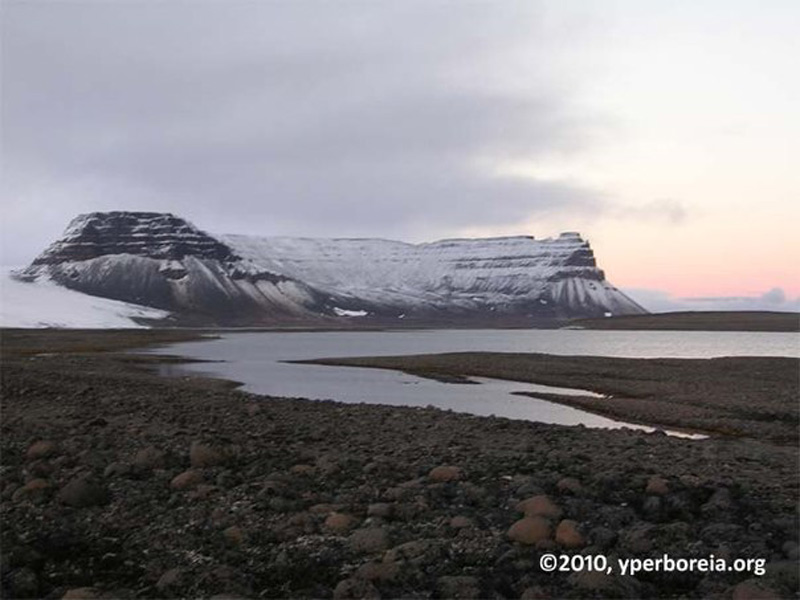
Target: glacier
{"type": "Point", "coordinates": [44, 304]}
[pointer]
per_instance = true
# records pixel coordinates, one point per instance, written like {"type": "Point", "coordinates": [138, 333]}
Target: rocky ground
{"type": "Point", "coordinates": [117, 483]}
{"type": "Point", "coordinates": [698, 321]}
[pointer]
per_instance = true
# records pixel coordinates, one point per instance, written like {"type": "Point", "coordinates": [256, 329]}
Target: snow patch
{"type": "Point", "coordinates": [343, 312]}
{"type": "Point", "coordinates": [44, 304]}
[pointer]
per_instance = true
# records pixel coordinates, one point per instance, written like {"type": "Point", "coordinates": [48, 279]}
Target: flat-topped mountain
{"type": "Point", "coordinates": [162, 261]}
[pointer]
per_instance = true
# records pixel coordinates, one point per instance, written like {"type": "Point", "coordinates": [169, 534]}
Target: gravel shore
{"type": "Point", "coordinates": [756, 397]}
{"type": "Point", "coordinates": [117, 483]}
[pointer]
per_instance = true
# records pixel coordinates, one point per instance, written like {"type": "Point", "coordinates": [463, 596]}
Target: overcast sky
{"type": "Point", "coordinates": [666, 132]}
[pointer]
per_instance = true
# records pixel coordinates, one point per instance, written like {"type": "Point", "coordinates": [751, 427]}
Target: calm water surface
{"type": "Point", "coordinates": [255, 360]}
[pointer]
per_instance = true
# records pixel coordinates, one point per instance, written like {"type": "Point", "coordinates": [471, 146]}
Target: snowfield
{"type": "Point", "coordinates": [45, 304]}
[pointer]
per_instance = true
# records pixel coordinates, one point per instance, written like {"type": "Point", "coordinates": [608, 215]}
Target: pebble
{"type": "Point", "coordinates": [530, 530]}
{"type": "Point", "coordinates": [204, 455]}
{"type": "Point", "coordinates": [445, 473]}
{"type": "Point", "coordinates": [369, 540]}
{"type": "Point", "coordinates": [657, 486]}
{"type": "Point", "coordinates": [302, 469]}
{"type": "Point", "coordinates": [340, 522]}
{"type": "Point", "coordinates": [233, 535]}
{"type": "Point", "coordinates": [720, 501]}
{"type": "Point", "coordinates": [117, 469]}
{"type": "Point", "coordinates": [540, 505]}
{"type": "Point", "coordinates": [752, 589]}
{"type": "Point", "coordinates": [638, 539]}
{"type": "Point", "coordinates": [791, 550]}
{"type": "Point", "coordinates": [569, 484]}
{"type": "Point", "coordinates": [413, 551]}
{"type": "Point", "coordinates": [568, 536]}
{"type": "Point", "coordinates": [594, 581]}
{"type": "Point", "coordinates": [83, 491]}
{"type": "Point", "coordinates": [186, 480]}
{"type": "Point", "coordinates": [36, 491]}
{"type": "Point", "coordinates": [603, 537]}
{"type": "Point", "coordinates": [461, 522]}
{"type": "Point", "coordinates": [355, 587]}
{"type": "Point", "coordinates": [41, 449]}
{"type": "Point", "coordinates": [651, 508]}
{"type": "Point", "coordinates": [383, 510]}
{"type": "Point", "coordinates": [148, 459]}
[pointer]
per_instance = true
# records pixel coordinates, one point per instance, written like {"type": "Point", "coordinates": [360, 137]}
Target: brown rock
{"type": "Point", "coordinates": [41, 449]}
{"type": "Point", "coordinates": [355, 587]}
{"type": "Point", "coordinates": [530, 530]}
{"type": "Point", "coordinates": [369, 540]}
{"type": "Point", "coordinates": [541, 506]}
{"type": "Point", "coordinates": [380, 509]}
{"type": "Point", "coordinates": [302, 470]}
{"type": "Point", "coordinates": [186, 480]}
{"type": "Point", "coordinates": [36, 491]}
{"type": "Point", "coordinates": [569, 484]}
{"type": "Point", "coordinates": [117, 469]}
{"type": "Point", "coordinates": [414, 551]}
{"type": "Point", "coordinates": [233, 535]}
{"type": "Point", "coordinates": [657, 486]}
{"type": "Point", "coordinates": [203, 491]}
{"type": "Point", "coordinates": [203, 455]}
{"type": "Point", "coordinates": [752, 589]}
{"type": "Point", "coordinates": [461, 522]}
{"type": "Point", "coordinates": [148, 459]}
{"type": "Point", "coordinates": [83, 491]}
{"type": "Point", "coordinates": [568, 536]}
{"type": "Point", "coordinates": [445, 473]}
{"type": "Point", "coordinates": [339, 522]}
{"type": "Point", "coordinates": [594, 581]}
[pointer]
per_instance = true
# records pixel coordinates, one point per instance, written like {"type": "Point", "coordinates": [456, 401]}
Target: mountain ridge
{"type": "Point", "coordinates": [163, 261]}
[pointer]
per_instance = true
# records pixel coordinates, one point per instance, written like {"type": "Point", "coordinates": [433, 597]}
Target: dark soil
{"type": "Point", "coordinates": [125, 484]}
{"type": "Point", "coordinates": [699, 321]}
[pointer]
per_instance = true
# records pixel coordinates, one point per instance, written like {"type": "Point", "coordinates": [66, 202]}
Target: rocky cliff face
{"type": "Point", "coordinates": [163, 261]}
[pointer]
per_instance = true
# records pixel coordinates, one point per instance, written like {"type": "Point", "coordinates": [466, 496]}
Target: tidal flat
{"type": "Point", "coordinates": [755, 397]}
{"type": "Point", "coordinates": [120, 483]}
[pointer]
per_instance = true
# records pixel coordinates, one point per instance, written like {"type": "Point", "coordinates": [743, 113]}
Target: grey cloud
{"type": "Point", "coordinates": [279, 118]}
{"type": "Point", "coordinates": [774, 299]}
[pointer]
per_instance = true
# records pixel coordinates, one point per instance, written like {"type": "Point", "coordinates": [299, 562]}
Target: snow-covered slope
{"type": "Point", "coordinates": [508, 274]}
{"type": "Point", "coordinates": [45, 304]}
{"type": "Point", "coordinates": [163, 261]}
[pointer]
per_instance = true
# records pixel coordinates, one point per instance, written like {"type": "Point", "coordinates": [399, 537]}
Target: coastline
{"type": "Point", "coordinates": [154, 487]}
{"type": "Point", "coordinates": [752, 397]}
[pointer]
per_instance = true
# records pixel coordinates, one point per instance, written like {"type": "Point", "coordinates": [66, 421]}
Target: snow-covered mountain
{"type": "Point", "coordinates": [162, 261]}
